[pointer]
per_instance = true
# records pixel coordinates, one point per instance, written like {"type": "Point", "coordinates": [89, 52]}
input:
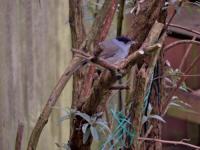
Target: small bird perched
{"type": "Point", "coordinates": [115, 50]}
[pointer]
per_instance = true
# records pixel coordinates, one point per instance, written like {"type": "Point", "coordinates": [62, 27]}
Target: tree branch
{"type": "Point", "coordinates": [189, 48]}
{"type": "Point", "coordinates": [76, 23]}
{"type": "Point", "coordinates": [78, 35]}
{"type": "Point", "coordinates": [130, 61]}
{"type": "Point", "coordinates": [185, 28]}
{"type": "Point", "coordinates": [120, 17]}
{"type": "Point", "coordinates": [170, 142]}
{"type": "Point", "coordinates": [139, 54]}
{"type": "Point", "coordinates": [169, 46]}
{"type": "Point", "coordinates": [20, 131]}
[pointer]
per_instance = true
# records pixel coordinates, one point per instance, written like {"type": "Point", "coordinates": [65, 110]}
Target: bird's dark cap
{"type": "Point", "coordinates": [123, 39]}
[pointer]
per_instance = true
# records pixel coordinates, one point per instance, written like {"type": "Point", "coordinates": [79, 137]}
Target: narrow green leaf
{"type": "Point", "coordinates": [103, 124]}
{"type": "Point", "coordinates": [84, 116]}
{"type": "Point", "coordinates": [84, 127]}
{"type": "Point", "coordinates": [86, 135]}
{"type": "Point", "coordinates": [149, 109]}
{"type": "Point", "coordinates": [175, 104]}
{"type": "Point", "coordinates": [157, 117]}
{"type": "Point", "coordinates": [94, 132]}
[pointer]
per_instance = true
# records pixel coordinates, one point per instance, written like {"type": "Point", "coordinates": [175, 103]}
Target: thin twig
{"type": "Point", "coordinates": [131, 58]}
{"type": "Point", "coordinates": [147, 133]}
{"type": "Point", "coordinates": [174, 13]}
{"type": "Point", "coordinates": [138, 54]}
{"type": "Point", "coordinates": [20, 131]}
{"type": "Point", "coordinates": [181, 142]}
{"type": "Point", "coordinates": [186, 54]}
{"type": "Point", "coordinates": [94, 59]}
{"type": "Point", "coordinates": [178, 75]}
{"type": "Point", "coordinates": [170, 20]}
{"type": "Point", "coordinates": [181, 80]}
{"type": "Point", "coordinates": [81, 56]}
{"type": "Point", "coordinates": [184, 28]}
{"type": "Point", "coordinates": [80, 52]}
{"type": "Point", "coordinates": [120, 18]}
{"type": "Point", "coordinates": [190, 75]}
{"type": "Point", "coordinates": [169, 46]}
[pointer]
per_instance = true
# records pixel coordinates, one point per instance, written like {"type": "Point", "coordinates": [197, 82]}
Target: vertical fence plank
{"type": "Point", "coordinates": [34, 50]}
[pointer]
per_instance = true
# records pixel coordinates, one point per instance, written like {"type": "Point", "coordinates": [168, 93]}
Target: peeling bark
{"type": "Point", "coordinates": [77, 36]}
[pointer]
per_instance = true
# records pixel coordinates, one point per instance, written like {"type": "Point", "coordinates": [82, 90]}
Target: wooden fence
{"type": "Point", "coordinates": [34, 50]}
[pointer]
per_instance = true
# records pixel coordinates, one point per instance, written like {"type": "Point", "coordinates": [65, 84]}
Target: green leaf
{"type": "Point", "coordinates": [84, 116]}
{"type": "Point", "coordinates": [93, 119]}
{"type": "Point", "coordinates": [86, 135]}
{"type": "Point", "coordinates": [157, 117]}
{"type": "Point", "coordinates": [185, 104]}
{"type": "Point", "coordinates": [149, 109]}
{"type": "Point", "coordinates": [184, 87]}
{"type": "Point", "coordinates": [94, 132]}
{"type": "Point", "coordinates": [84, 127]}
{"type": "Point", "coordinates": [103, 124]}
{"type": "Point", "coordinates": [175, 104]}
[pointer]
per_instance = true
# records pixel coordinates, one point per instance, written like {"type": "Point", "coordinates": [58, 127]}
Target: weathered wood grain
{"type": "Point", "coordinates": [34, 49]}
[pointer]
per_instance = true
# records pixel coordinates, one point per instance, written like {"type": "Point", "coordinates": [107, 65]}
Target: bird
{"type": "Point", "coordinates": [115, 50]}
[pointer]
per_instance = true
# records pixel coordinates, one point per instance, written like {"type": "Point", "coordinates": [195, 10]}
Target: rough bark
{"type": "Point", "coordinates": [98, 32]}
{"type": "Point", "coordinates": [120, 17]}
{"type": "Point", "coordinates": [136, 97]}
{"type": "Point", "coordinates": [77, 36]}
{"type": "Point", "coordinates": [150, 11]}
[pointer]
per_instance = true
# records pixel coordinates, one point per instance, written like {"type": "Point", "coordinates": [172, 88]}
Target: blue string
{"type": "Point", "coordinates": [119, 131]}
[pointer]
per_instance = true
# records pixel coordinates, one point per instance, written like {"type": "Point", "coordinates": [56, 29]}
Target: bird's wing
{"type": "Point", "coordinates": [109, 49]}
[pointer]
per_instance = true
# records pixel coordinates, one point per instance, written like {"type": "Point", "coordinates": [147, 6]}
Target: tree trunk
{"type": "Point", "coordinates": [97, 33]}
